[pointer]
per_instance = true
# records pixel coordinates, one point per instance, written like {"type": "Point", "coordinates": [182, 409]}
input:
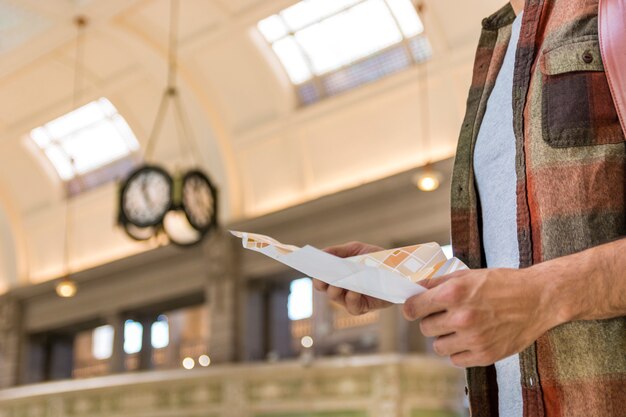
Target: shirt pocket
{"type": "Point", "coordinates": [577, 107]}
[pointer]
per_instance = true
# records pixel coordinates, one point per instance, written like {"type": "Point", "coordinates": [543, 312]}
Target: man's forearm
{"type": "Point", "coordinates": [590, 285]}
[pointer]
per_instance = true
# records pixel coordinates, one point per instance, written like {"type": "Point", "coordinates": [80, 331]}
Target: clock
{"type": "Point", "coordinates": [146, 197]}
{"type": "Point", "coordinates": [140, 233]}
{"type": "Point", "coordinates": [199, 201]}
{"type": "Point", "coordinates": [153, 204]}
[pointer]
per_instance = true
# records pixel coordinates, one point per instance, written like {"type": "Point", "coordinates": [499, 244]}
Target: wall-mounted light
{"type": "Point", "coordinates": [427, 179]}
{"type": "Point", "coordinates": [66, 288]}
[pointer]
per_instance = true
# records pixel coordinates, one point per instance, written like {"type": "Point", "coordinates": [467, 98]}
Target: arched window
{"type": "Point", "coordinates": [88, 146]}
{"type": "Point", "coordinates": [328, 47]}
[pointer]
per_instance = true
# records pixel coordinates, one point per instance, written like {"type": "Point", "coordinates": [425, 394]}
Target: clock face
{"type": "Point", "coordinates": [146, 196]}
{"type": "Point", "coordinates": [199, 201]}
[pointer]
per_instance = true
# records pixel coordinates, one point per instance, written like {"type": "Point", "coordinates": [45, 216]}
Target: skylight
{"type": "Point", "coordinates": [315, 39]}
{"type": "Point", "coordinates": [86, 139]}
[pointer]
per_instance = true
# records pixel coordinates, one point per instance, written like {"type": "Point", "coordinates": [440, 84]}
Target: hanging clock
{"type": "Point", "coordinates": [146, 197]}
{"type": "Point", "coordinates": [140, 233]}
{"type": "Point", "coordinates": [199, 201]}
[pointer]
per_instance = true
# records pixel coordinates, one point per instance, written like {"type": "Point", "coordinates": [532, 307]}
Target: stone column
{"type": "Point", "coordinates": [391, 331]}
{"type": "Point", "coordinates": [279, 324]}
{"type": "Point", "coordinates": [117, 363]}
{"type": "Point", "coordinates": [221, 293]}
{"type": "Point", "coordinates": [321, 322]}
{"type": "Point", "coordinates": [416, 342]}
{"type": "Point", "coordinates": [9, 341]}
{"type": "Point", "coordinates": [145, 355]}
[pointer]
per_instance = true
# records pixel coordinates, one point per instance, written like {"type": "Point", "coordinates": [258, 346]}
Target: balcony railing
{"type": "Point", "coordinates": [364, 386]}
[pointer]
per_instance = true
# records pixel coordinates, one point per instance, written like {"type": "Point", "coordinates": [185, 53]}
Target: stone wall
{"type": "Point", "coordinates": [9, 340]}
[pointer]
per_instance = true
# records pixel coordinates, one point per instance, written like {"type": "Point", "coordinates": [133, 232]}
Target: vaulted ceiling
{"type": "Point", "coordinates": [262, 150]}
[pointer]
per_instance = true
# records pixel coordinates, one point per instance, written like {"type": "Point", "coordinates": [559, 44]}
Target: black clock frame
{"type": "Point", "coordinates": [213, 223]}
{"type": "Point", "coordinates": [175, 203]}
{"type": "Point", "coordinates": [124, 218]}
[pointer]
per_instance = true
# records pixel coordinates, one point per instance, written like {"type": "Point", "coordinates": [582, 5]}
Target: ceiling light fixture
{"type": "Point", "coordinates": [154, 205]}
{"type": "Point", "coordinates": [66, 287]}
{"type": "Point", "coordinates": [427, 178]}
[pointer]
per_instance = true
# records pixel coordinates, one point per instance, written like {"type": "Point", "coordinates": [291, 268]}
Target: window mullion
{"type": "Point", "coordinates": [317, 82]}
{"type": "Point", "coordinates": [405, 40]}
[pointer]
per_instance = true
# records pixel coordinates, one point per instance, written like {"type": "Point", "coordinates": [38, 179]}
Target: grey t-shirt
{"type": "Point", "coordinates": [494, 167]}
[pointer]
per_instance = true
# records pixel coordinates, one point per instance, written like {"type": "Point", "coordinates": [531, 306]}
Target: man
{"type": "Point", "coordinates": [538, 214]}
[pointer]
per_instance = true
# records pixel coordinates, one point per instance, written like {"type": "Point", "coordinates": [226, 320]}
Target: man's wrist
{"type": "Point", "coordinates": [559, 299]}
{"type": "Point", "coordinates": [571, 287]}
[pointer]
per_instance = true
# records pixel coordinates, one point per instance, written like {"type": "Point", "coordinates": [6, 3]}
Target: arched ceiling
{"type": "Point", "coordinates": [240, 102]}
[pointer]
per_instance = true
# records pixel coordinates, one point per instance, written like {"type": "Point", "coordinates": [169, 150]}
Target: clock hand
{"type": "Point", "coordinates": [146, 194]}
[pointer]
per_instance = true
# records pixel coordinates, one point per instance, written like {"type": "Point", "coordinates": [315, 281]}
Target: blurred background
{"type": "Point", "coordinates": [317, 121]}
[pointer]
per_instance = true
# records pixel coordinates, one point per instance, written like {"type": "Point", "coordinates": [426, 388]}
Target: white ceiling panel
{"type": "Point", "coordinates": [18, 25]}
{"type": "Point", "coordinates": [34, 89]}
{"type": "Point", "coordinates": [196, 16]}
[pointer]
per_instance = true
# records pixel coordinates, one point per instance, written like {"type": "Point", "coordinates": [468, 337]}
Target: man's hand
{"type": "Point", "coordinates": [354, 303]}
{"type": "Point", "coordinates": [481, 316]}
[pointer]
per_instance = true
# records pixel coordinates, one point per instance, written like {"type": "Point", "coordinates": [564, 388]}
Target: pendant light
{"type": "Point", "coordinates": [66, 287]}
{"type": "Point", "coordinates": [153, 205]}
{"type": "Point", "coordinates": [427, 178]}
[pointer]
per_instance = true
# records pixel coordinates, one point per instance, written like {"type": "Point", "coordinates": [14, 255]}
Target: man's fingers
{"type": "Point", "coordinates": [352, 249]}
{"type": "Point", "coordinates": [433, 282]}
{"type": "Point", "coordinates": [344, 251]}
{"type": "Point", "coordinates": [449, 345]}
{"type": "Point", "coordinates": [336, 294]}
{"type": "Point", "coordinates": [438, 324]}
{"type": "Point", "coordinates": [319, 285]}
{"type": "Point", "coordinates": [355, 303]}
{"type": "Point", "coordinates": [448, 293]}
{"type": "Point", "coordinates": [421, 305]}
{"type": "Point", "coordinates": [466, 359]}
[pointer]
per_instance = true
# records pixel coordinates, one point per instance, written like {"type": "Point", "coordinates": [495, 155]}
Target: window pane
{"type": "Point", "coordinates": [272, 28]}
{"type": "Point", "coordinates": [407, 17]}
{"type": "Point", "coordinates": [107, 107]}
{"type": "Point", "coordinates": [160, 334]}
{"type": "Point", "coordinates": [290, 55]}
{"type": "Point", "coordinates": [102, 347]}
{"type": "Point", "coordinates": [73, 121]}
{"type": "Point", "coordinates": [310, 11]}
{"type": "Point", "coordinates": [300, 303]}
{"type": "Point", "coordinates": [132, 336]}
{"type": "Point", "coordinates": [92, 136]}
{"type": "Point", "coordinates": [60, 161]}
{"type": "Point", "coordinates": [348, 36]}
{"type": "Point", "coordinates": [126, 132]}
{"type": "Point", "coordinates": [344, 43]}
{"type": "Point", "coordinates": [40, 136]}
{"type": "Point", "coordinates": [94, 147]}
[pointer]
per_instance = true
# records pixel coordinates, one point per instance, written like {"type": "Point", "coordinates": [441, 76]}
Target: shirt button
{"type": "Point", "coordinates": [587, 57]}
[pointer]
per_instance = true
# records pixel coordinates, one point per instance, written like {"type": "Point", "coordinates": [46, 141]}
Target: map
{"type": "Point", "coordinates": [392, 275]}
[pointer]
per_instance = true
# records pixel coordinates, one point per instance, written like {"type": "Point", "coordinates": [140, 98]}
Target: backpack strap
{"type": "Point", "coordinates": [612, 30]}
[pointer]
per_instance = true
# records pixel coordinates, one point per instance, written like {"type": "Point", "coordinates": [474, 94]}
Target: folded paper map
{"type": "Point", "coordinates": [393, 275]}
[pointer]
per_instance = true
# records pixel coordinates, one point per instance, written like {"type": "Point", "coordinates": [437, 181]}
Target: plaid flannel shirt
{"type": "Point", "coordinates": [571, 195]}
